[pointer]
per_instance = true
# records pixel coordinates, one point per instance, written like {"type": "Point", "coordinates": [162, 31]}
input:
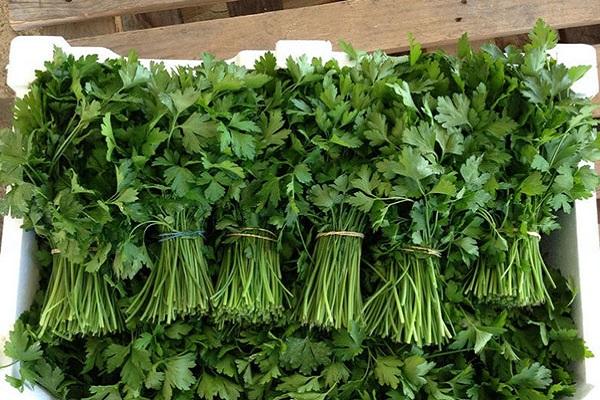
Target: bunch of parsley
{"type": "Point", "coordinates": [407, 175]}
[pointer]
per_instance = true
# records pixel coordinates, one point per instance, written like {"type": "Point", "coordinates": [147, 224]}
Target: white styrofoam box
{"type": "Point", "coordinates": [575, 248]}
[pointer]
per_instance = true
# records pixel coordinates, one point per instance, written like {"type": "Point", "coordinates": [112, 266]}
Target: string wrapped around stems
{"type": "Point", "coordinates": [519, 279]}
{"type": "Point", "coordinates": [249, 286]}
{"type": "Point", "coordinates": [179, 284]}
{"type": "Point", "coordinates": [407, 307]}
{"type": "Point", "coordinates": [78, 301]}
{"type": "Point", "coordinates": [332, 296]}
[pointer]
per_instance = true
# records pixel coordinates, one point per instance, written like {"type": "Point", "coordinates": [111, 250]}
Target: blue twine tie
{"type": "Point", "coordinates": [180, 235]}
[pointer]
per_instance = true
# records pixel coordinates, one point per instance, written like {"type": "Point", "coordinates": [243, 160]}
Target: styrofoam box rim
{"type": "Point", "coordinates": [576, 247]}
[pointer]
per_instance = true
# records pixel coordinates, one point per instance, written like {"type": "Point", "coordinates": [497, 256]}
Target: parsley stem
{"type": "Point", "coordinates": [332, 294]}
{"type": "Point", "coordinates": [179, 283]}
{"type": "Point", "coordinates": [78, 302]}
{"type": "Point", "coordinates": [249, 287]}
{"type": "Point", "coordinates": [407, 307]}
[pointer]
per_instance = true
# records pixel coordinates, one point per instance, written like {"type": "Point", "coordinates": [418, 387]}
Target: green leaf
{"type": "Point", "coordinates": [115, 355]}
{"type": "Point", "coordinates": [182, 100]}
{"type": "Point", "coordinates": [469, 245]}
{"type": "Point", "coordinates": [192, 135]}
{"type": "Point", "coordinates": [451, 141]}
{"type": "Point", "coordinates": [453, 112]}
{"type": "Point", "coordinates": [243, 145]}
{"type": "Point", "coordinates": [423, 137]}
{"type": "Point", "coordinates": [128, 195]}
{"type": "Point", "coordinates": [129, 259]}
{"type": "Point", "coordinates": [178, 330]}
{"type": "Point", "coordinates": [256, 80]}
{"type": "Point", "coordinates": [302, 173]}
{"type": "Point", "coordinates": [412, 164]}
{"type": "Point", "coordinates": [531, 394]}
{"type": "Point", "coordinates": [535, 376]}
{"type": "Point", "coordinates": [577, 72]}
{"type": "Point", "coordinates": [20, 347]}
{"type": "Point", "coordinates": [180, 179]}
{"type": "Point", "coordinates": [377, 132]}
{"type": "Point", "coordinates": [76, 187]}
{"type": "Point", "coordinates": [154, 139]}
{"type": "Point", "coordinates": [481, 339]}
{"type": "Point", "coordinates": [226, 165]}
{"type": "Point", "coordinates": [305, 355]}
{"type": "Point", "coordinates": [361, 201]}
{"type": "Point", "coordinates": [387, 371]}
{"type": "Point", "coordinates": [543, 36]}
{"type": "Point", "coordinates": [154, 379]}
{"type": "Point", "coordinates": [178, 374]}
{"type": "Point", "coordinates": [415, 368]}
{"type": "Point", "coordinates": [532, 185]}
{"type": "Point", "coordinates": [415, 50]}
{"type": "Point", "coordinates": [308, 396]}
{"type": "Point", "coordinates": [134, 369]}
{"type": "Point", "coordinates": [52, 379]}
{"type": "Point", "coordinates": [324, 196]}
{"type": "Point", "coordinates": [99, 258]}
{"type": "Point", "coordinates": [464, 47]}
{"type": "Point", "coordinates": [403, 90]}
{"type": "Point", "coordinates": [214, 191]}
{"type": "Point", "coordinates": [502, 127]}
{"type": "Point", "coordinates": [346, 140]}
{"type": "Point", "coordinates": [348, 343]}
{"type": "Point", "coordinates": [336, 373]}
{"type": "Point", "coordinates": [566, 345]}
{"type": "Point", "coordinates": [240, 124]}
{"type": "Point", "coordinates": [299, 383]}
{"type": "Point", "coordinates": [105, 393]}
{"type": "Point", "coordinates": [218, 387]}
{"type": "Point", "coordinates": [107, 132]}
{"type": "Point", "coordinates": [226, 366]}
{"type": "Point", "coordinates": [445, 186]}
{"type": "Point", "coordinates": [539, 163]}
{"type": "Point", "coordinates": [270, 193]}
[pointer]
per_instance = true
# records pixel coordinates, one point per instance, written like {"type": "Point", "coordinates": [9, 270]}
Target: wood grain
{"type": "Point", "coordinates": [27, 14]}
{"type": "Point", "coordinates": [97, 26]}
{"type": "Point", "coordinates": [367, 24]}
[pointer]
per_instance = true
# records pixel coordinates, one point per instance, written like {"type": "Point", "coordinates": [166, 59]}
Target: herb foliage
{"type": "Point", "coordinates": [320, 231]}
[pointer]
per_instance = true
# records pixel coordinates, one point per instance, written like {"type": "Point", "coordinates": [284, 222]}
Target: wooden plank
{"type": "Point", "coordinates": [27, 14]}
{"type": "Point", "coordinates": [98, 26]}
{"type": "Point", "coordinates": [367, 24]}
{"type": "Point", "coordinates": [248, 7]}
